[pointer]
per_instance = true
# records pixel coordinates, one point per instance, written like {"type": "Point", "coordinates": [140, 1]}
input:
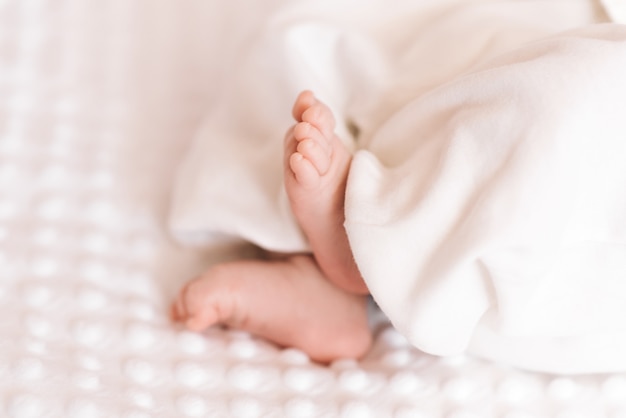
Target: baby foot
{"type": "Point", "coordinates": [286, 301]}
{"type": "Point", "coordinates": [316, 171]}
{"type": "Point", "coordinates": [317, 160]}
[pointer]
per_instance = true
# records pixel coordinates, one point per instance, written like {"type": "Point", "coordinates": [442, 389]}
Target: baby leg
{"type": "Point", "coordinates": [287, 301]}
{"type": "Point", "coordinates": [316, 170]}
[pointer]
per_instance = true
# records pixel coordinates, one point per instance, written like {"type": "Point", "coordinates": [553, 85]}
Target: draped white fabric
{"type": "Point", "coordinates": [502, 204]}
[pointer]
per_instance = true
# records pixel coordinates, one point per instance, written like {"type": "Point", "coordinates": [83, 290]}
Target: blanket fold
{"type": "Point", "coordinates": [506, 200]}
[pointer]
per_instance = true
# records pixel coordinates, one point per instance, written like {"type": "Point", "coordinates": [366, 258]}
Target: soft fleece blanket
{"type": "Point", "coordinates": [485, 202]}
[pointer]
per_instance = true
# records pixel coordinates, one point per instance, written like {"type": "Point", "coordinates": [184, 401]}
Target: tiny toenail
{"type": "Point", "coordinates": [303, 129]}
{"type": "Point", "coordinates": [306, 144]}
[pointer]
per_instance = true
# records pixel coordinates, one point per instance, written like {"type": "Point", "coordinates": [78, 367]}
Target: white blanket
{"type": "Point", "coordinates": [484, 201]}
{"type": "Point", "coordinates": [497, 201]}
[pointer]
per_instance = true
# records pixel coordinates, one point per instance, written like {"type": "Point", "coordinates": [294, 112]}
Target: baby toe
{"type": "Point", "coordinates": [305, 173]}
{"type": "Point", "coordinates": [305, 100]}
{"type": "Point", "coordinates": [315, 154]}
{"type": "Point", "coordinates": [320, 116]}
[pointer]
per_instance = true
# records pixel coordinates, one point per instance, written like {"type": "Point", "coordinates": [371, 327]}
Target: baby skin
{"type": "Point", "coordinates": [317, 302]}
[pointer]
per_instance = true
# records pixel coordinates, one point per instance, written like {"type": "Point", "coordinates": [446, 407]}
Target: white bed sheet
{"type": "Point", "coordinates": [98, 103]}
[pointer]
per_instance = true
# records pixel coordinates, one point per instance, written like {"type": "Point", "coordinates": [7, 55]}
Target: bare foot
{"type": "Point", "coordinates": [316, 170]}
{"type": "Point", "coordinates": [287, 301]}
